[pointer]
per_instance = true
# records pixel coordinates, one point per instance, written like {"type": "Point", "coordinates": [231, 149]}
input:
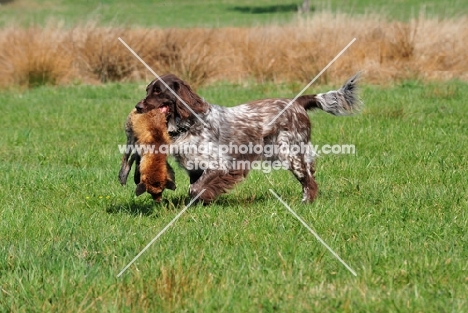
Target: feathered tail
{"type": "Point", "coordinates": [344, 101]}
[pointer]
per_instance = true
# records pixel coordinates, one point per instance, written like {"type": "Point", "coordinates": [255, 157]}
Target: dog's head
{"type": "Point", "coordinates": [175, 98]}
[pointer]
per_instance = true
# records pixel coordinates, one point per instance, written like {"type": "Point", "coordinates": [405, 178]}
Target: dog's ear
{"type": "Point", "coordinates": [167, 81]}
{"type": "Point", "coordinates": [186, 98]}
{"type": "Point", "coordinates": [191, 100]}
{"type": "Point", "coordinates": [140, 189]}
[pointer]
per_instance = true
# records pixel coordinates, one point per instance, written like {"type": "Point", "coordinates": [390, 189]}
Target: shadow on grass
{"type": "Point", "coordinates": [133, 208]}
{"type": "Point", "coordinates": [278, 8]}
{"type": "Point", "coordinates": [147, 207]}
{"type": "Point", "coordinates": [230, 200]}
{"type": "Point", "coordinates": [269, 9]}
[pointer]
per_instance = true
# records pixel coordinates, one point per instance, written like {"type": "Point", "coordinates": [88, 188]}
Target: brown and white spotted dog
{"type": "Point", "coordinates": [247, 124]}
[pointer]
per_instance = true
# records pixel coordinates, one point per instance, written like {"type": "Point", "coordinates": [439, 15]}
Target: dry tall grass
{"type": "Point", "coordinates": [385, 51]}
{"type": "Point", "coordinates": [30, 57]}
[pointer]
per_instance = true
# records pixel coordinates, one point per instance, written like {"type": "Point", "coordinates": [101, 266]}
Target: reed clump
{"type": "Point", "coordinates": [386, 51]}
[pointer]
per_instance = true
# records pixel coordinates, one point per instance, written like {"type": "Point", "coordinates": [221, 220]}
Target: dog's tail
{"type": "Point", "coordinates": [344, 101]}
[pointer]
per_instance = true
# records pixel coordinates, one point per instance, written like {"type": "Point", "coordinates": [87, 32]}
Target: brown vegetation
{"type": "Point", "coordinates": [385, 51]}
{"type": "Point", "coordinates": [174, 286]}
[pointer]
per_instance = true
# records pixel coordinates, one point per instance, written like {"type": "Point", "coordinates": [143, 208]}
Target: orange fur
{"type": "Point", "coordinates": [150, 129]}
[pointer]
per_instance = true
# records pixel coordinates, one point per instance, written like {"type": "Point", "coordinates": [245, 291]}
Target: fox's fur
{"type": "Point", "coordinates": [150, 129]}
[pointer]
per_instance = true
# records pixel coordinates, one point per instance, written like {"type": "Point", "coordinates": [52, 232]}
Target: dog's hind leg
{"type": "Point", "coordinates": [302, 166]}
{"type": "Point", "coordinates": [307, 180]}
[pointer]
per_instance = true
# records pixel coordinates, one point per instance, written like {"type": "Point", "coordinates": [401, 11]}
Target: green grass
{"type": "Point", "coordinates": [209, 13]}
{"type": "Point", "coordinates": [395, 212]}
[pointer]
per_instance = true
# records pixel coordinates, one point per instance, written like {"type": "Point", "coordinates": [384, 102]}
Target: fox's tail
{"type": "Point", "coordinates": [344, 101]}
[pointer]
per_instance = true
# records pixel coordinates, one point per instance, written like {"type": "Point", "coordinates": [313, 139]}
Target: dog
{"type": "Point", "coordinates": [191, 121]}
{"type": "Point", "coordinates": [152, 172]}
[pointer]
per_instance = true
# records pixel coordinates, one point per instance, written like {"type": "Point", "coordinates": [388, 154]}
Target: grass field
{"type": "Point", "coordinates": [395, 212]}
{"type": "Point", "coordinates": [210, 13]}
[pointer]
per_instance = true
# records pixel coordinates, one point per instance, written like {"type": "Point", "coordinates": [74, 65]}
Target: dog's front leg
{"type": "Point", "coordinates": [215, 183]}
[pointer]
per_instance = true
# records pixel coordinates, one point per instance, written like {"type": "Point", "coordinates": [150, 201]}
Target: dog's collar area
{"type": "Point", "coordinates": [180, 130]}
{"type": "Point", "coordinates": [183, 126]}
{"type": "Point", "coordinates": [174, 134]}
